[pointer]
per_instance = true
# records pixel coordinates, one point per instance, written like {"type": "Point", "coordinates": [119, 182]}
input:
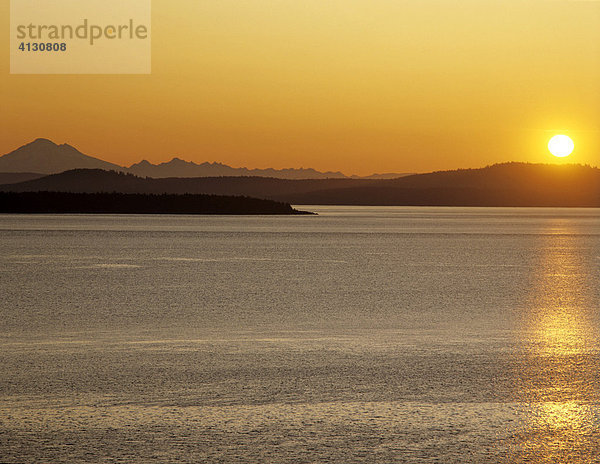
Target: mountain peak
{"type": "Point", "coordinates": [46, 157]}
{"type": "Point", "coordinates": [142, 163]}
{"type": "Point", "coordinates": [40, 141]}
{"type": "Point", "coordinates": [177, 160]}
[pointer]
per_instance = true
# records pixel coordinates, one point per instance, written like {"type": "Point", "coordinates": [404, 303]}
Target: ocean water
{"type": "Point", "coordinates": [363, 334]}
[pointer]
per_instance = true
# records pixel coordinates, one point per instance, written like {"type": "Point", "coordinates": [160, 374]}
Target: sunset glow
{"type": "Point", "coordinates": [357, 86]}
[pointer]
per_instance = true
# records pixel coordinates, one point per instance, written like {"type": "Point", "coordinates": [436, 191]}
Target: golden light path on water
{"type": "Point", "coordinates": [561, 342]}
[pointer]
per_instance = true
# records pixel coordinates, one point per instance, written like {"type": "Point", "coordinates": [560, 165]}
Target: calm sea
{"type": "Point", "coordinates": [417, 335]}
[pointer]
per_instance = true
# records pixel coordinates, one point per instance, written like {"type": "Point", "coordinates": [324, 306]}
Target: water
{"type": "Point", "coordinates": [435, 335]}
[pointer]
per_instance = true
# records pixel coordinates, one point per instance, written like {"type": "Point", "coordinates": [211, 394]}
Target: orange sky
{"type": "Point", "coordinates": [359, 86]}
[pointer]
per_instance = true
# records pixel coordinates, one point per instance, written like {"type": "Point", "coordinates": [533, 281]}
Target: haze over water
{"type": "Point", "coordinates": [359, 335]}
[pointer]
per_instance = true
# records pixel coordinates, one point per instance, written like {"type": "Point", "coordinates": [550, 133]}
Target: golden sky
{"type": "Point", "coordinates": [360, 86]}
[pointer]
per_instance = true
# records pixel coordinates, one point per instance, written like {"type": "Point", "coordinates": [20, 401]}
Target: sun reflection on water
{"type": "Point", "coordinates": [560, 342]}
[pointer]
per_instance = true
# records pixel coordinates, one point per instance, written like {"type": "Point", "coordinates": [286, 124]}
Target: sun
{"type": "Point", "coordinates": [561, 145]}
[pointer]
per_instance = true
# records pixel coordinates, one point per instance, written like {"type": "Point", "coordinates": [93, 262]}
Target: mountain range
{"type": "Point", "coordinates": [507, 184]}
{"type": "Point", "coordinates": [42, 156]}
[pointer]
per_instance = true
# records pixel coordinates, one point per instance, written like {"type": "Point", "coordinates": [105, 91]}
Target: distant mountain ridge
{"type": "Point", "coordinates": [42, 156]}
{"type": "Point", "coordinates": [15, 177]}
{"type": "Point", "coordinates": [507, 184]}
{"type": "Point", "coordinates": [180, 168]}
{"type": "Point", "coordinates": [97, 180]}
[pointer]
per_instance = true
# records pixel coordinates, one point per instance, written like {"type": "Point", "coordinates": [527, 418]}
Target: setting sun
{"type": "Point", "coordinates": [561, 145]}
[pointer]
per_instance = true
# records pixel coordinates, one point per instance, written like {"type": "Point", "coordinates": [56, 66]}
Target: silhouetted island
{"type": "Point", "coordinates": [132, 203]}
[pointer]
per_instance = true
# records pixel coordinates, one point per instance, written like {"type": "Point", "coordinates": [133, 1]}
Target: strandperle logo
{"type": "Point", "coordinates": [85, 31]}
{"type": "Point", "coordinates": [80, 37]}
